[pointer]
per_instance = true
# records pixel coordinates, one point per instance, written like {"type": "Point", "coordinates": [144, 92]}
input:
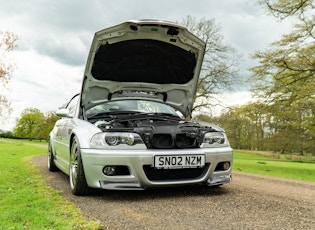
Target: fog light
{"type": "Point", "coordinates": [109, 170]}
{"type": "Point", "coordinates": [222, 166]}
{"type": "Point", "coordinates": [226, 165]}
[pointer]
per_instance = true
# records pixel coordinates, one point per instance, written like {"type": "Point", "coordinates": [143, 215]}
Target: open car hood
{"type": "Point", "coordinates": [153, 60]}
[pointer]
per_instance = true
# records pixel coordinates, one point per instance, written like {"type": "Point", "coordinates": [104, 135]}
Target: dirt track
{"type": "Point", "coordinates": [249, 202]}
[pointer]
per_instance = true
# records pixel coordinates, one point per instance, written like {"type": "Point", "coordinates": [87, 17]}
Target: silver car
{"type": "Point", "coordinates": [127, 128]}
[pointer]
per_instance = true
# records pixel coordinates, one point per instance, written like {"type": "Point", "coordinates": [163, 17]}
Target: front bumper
{"type": "Point", "coordinates": [143, 175]}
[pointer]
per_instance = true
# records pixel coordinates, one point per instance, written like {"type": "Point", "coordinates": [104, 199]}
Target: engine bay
{"type": "Point", "coordinates": [157, 131]}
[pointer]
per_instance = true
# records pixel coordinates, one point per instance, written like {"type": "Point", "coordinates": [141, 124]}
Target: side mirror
{"type": "Point", "coordinates": [63, 113]}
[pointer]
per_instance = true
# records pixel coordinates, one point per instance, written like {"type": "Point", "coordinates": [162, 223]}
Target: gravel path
{"type": "Point", "coordinates": [249, 202]}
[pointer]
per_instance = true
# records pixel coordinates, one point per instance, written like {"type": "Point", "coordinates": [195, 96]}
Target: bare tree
{"type": "Point", "coordinates": [7, 45]}
{"type": "Point", "coordinates": [283, 9]}
{"type": "Point", "coordinates": [219, 70]}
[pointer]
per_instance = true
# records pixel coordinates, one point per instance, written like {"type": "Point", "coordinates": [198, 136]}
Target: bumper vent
{"type": "Point", "coordinates": [174, 174]}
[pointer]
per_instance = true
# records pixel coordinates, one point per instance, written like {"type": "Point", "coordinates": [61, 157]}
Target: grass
{"type": "Point", "coordinates": [277, 167]}
{"type": "Point", "coordinates": [26, 201]}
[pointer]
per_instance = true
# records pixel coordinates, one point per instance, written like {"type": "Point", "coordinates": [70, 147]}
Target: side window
{"type": "Point", "coordinates": [71, 106]}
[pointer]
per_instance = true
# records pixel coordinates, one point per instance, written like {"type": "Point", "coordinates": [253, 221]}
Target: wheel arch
{"type": "Point", "coordinates": [72, 138]}
{"type": "Point", "coordinates": [50, 145]}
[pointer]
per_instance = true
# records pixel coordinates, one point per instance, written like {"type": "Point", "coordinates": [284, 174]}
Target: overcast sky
{"type": "Point", "coordinates": [55, 38]}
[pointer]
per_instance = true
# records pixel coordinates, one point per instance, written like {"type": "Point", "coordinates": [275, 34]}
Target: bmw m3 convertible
{"type": "Point", "coordinates": [127, 128]}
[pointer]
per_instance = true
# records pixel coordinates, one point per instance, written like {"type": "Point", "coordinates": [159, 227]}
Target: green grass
{"type": "Point", "coordinates": [26, 201]}
{"type": "Point", "coordinates": [267, 165]}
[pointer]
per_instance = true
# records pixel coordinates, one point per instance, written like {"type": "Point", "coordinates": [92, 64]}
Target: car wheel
{"type": "Point", "coordinates": [78, 183]}
{"type": "Point", "coordinates": [51, 160]}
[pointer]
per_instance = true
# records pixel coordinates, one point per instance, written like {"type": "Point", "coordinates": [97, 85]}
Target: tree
{"type": "Point", "coordinates": [219, 70]}
{"type": "Point", "coordinates": [283, 9]}
{"type": "Point", "coordinates": [237, 127]}
{"type": "Point", "coordinates": [286, 70]}
{"type": "Point", "coordinates": [43, 129]}
{"type": "Point", "coordinates": [245, 125]}
{"type": "Point", "coordinates": [291, 128]}
{"type": "Point", "coordinates": [284, 78]}
{"type": "Point", "coordinates": [26, 126]}
{"type": "Point", "coordinates": [33, 124]}
{"type": "Point", "coordinates": [7, 45]}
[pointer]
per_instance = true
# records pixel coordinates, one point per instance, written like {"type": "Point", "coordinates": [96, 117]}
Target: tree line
{"type": "Point", "coordinates": [279, 128]}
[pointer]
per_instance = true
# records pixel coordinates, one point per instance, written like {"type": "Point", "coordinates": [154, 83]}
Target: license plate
{"type": "Point", "coordinates": [179, 161]}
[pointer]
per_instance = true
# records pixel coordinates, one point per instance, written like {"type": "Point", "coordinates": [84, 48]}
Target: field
{"type": "Point", "coordinates": [277, 166]}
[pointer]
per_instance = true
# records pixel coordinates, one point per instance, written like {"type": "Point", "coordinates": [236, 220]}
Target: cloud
{"type": "Point", "coordinates": [41, 82]}
{"type": "Point", "coordinates": [68, 49]}
{"type": "Point", "coordinates": [63, 30]}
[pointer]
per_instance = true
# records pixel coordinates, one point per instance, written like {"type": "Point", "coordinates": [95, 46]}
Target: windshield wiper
{"type": "Point", "coordinates": [157, 116]}
{"type": "Point", "coordinates": [112, 113]}
{"type": "Point", "coordinates": [135, 115]}
{"type": "Point", "coordinates": [167, 115]}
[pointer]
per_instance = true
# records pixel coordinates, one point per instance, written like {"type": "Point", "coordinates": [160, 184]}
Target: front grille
{"type": "Point", "coordinates": [182, 141]}
{"type": "Point", "coordinates": [162, 141]}
{"type": "Point", "coordinates": [167, 141]}
{"type": "Point", "coordinates": [174, 174]}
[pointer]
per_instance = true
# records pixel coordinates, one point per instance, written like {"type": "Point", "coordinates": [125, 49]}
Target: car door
{"type": "Point", "coordinates": [64, 128]}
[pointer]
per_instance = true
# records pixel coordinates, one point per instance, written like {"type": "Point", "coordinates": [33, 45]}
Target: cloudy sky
{"type": "Point", "coordinates": [55, 37]}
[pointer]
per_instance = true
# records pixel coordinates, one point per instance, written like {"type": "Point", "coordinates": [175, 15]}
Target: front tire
{"type": "Point", "coordinates": [51, 160]}
{"type": "Point", "coordinates": [78, 183]}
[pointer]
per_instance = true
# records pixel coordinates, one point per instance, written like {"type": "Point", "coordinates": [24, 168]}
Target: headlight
{"type": "Point", "coordinates": [120, 138]}
{"type": "Point", "coordinates": [215, 139]}
{"type": "Point", "coordinates": [107, 140]}
{"type": "Point", "coordinates": [112, 139]}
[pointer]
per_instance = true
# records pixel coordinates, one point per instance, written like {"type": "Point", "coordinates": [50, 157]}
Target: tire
{"type": "Point", "coordinates": [51, 160]}
{"type": "Point", "coordinates": [77, 179]}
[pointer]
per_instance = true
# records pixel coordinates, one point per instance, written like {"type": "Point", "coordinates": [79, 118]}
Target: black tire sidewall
{"type": "Point", "coordinates": [51, 163]}
{"type": "Point", "coordinates": [79, 186]}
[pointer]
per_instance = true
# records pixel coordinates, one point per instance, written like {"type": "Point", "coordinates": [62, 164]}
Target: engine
{"type": "Point", "coordinates": [159, 134]}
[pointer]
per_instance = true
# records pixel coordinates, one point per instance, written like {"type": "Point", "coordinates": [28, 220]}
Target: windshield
{"type": "Point", "coordinates": [141, 106]}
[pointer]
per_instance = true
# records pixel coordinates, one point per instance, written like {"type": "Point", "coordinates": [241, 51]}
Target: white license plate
{"type": "Point", "coordinates": [179, 161]}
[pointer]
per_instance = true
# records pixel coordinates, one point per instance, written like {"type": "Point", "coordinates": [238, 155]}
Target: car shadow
{"type": "Point", "coordinates": [160, 193]}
